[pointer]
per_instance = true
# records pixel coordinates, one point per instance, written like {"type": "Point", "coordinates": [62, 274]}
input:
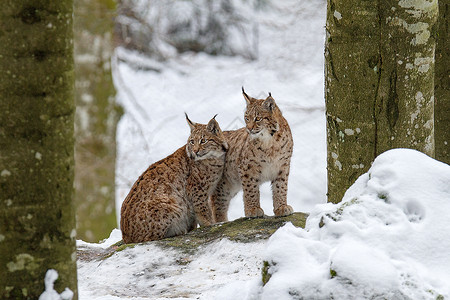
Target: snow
{"type": "Point", "coordinates": [50, 294]}
{"type": "Point", "coordinates": [150, 272]}
{"type": "Point", "coordinates": [387, 239]}
{"type": "Point", "coordinates": [114, 237]}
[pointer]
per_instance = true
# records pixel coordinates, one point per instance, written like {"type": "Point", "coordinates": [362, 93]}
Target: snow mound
{"type": "Point", "coordinates": [387, 239]}
{"type": "Point", "coordinates": [114, 237]}
{"type": "Point", "coordinates": [148, 271]}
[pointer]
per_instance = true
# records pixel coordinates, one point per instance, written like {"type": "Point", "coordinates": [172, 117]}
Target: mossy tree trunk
{"type": "Point", "coordinates": [442, 85]}
{"type": "Point", "coordinates": [37, 215]}
{"type": "Point", "coordinates": [379, 83]}
{"type": "Point", "coordinates": [96, 119]}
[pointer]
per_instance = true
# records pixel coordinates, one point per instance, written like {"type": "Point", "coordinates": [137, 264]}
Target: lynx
{"type": "Point", "coordinates": [172, 195]}
{"type": "Point", "coordinates": [259, 152]}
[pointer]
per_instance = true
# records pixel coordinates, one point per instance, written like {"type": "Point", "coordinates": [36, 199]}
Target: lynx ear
{"type": "Point", "coordinates": [269, 103]}
{"type": "Point", "coordinates": [190, 123]}
{"type": "Point", "coordinates": [246, 97]}
{"type": "Point", "coordinates": [213, 126]}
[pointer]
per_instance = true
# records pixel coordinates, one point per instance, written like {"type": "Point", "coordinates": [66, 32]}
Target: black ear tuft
{"type": "Point", "coordinates": [190, 123]}
{"type": "Point", "coordinates": [246, 97]}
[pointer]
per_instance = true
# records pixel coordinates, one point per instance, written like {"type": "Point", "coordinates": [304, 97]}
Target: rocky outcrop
{"type": "Point", "coordinates": [244, 230]}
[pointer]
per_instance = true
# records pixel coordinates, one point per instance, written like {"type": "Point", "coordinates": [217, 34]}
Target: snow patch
{"type": "Point", "coordinates": [388, 238]}
{"type": "Point", "coordinates": [150, 272]}
{"type": "Point", "coordinates": [50, 293]}
{"type": "Point", "coordinates": [114, 237]}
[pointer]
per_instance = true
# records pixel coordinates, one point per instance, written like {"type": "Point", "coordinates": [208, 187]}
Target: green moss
{"type": "Point", "coordinates": [341, 208]}
{"type": "Point", "coordinates": [114, 249]}
{"type": "Point", "coordinates": [333, 273]}
{"type": "Point", "coordinates": [265, 272]}
{"type": "Point", "coordinates": [244, 230]}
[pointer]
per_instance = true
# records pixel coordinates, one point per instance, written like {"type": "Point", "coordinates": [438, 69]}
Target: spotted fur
{"type": "Point", "coordinates": [257, 153]}
{"type": "Point", "coordinates": [172, 195]}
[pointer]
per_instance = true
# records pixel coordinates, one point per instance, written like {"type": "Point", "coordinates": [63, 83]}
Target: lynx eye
{"type": "Point", "coordinates": [246, 119]}
{"type": "Point", "coordinates": [191, 142]}
{"type": "Point", "coordinates": [203, 141]}
{"type": "Point", "coordinates": [257, 119]}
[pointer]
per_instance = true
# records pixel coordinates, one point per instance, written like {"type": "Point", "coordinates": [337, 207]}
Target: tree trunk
{"type": "Point", "coordinates": [379, 83]}
{"type": "Point", "coordinates": [96, 119]}
{"type": "Point", "coordinates": [37, 219]}
{"type": "Point", "coordinates": [442, 86]}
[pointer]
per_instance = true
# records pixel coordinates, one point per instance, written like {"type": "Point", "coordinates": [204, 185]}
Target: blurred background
{"type": "Point", "coordinates": [169, 57]}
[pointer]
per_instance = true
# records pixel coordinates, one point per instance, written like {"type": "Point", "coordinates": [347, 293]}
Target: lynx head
{"type": "Point", "coordinates": [261, 116]}
{"type": "Point", "coordinates": [205, 141]}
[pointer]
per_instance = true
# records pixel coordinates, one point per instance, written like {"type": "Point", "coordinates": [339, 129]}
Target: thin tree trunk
{"type": "Point", "coordinates": [37, 216]}
{"type": "Point", "coordinates": [96, 120]}
{"type": "Point", "coordinates": [379, 83]}
{"type": "Point", "coordinates": [442, 85]}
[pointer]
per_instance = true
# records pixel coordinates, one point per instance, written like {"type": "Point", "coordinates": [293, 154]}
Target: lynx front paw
{"type": "Point", "coordinates": [254, 213]}
{"type": "Point", "coordinates": [283, 210]}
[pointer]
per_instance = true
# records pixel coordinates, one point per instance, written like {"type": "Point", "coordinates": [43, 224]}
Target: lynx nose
{"type": "Point", "coordinates": [254, 130]}
{"type": "Point", "coordinates": [196, 150]}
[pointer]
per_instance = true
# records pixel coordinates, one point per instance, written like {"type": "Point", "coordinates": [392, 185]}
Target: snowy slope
{"type": "Point", "coordinates": [388, 239]}
{"type": "Point", "coordinates": [289, 65]}
{"type": "Point", "coordinates": [149, 272]}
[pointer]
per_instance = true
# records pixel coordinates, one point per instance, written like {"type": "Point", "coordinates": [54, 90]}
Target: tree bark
{"type": "Point", "coordinates": [37, 219]}
{"type": "Point", "coordinates": [379, 83]}
{"type": "Point", "coordinates": [95, 121]}
{"type": "Point", "coordinates": [442, 85]}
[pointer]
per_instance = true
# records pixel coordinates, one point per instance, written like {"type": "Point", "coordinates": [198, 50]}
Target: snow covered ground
{"type": "Point", "coordinates": [387, 239]}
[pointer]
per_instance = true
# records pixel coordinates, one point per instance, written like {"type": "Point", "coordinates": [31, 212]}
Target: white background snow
{"type": "Point", "coordinates": [388, 239]}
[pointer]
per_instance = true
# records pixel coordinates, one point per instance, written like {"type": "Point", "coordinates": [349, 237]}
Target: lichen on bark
{"type": "Point", "coordinates": [442, 85]}
{"type": "Point", "coordinates": [378, 83]}
{"type": "Point", "coordinates": [36, 147]}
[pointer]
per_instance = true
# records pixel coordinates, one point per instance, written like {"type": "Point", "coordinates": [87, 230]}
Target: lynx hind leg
{"type": "Point", "coordinates": [180, 219]}
{"type": "Point", "coordinates": [142, 228]}
{"type": "Point", "coordinates": [279, 194]}
{"type": "Point", "coordinates": [155, 220]}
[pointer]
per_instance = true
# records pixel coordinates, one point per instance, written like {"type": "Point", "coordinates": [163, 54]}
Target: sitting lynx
{"type": "Point", "coordinates": [259, 152]}
{"type": "Point", "coordinates": [172, 195]}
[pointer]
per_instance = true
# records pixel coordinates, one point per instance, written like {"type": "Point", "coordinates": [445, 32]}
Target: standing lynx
{"type": "Point", "coordinates": [259, 152]}
{"type": "Point", "coordinates": [172, 195]}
